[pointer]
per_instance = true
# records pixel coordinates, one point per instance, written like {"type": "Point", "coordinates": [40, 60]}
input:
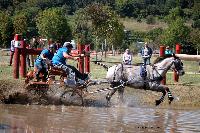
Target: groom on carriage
{"type": "Point", "coordinates": [42, 61]}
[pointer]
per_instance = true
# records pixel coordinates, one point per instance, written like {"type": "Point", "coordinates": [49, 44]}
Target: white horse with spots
{"type": "Point", "coordinates": [147, 77]}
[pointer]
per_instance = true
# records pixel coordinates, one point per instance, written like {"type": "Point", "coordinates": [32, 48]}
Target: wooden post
{"type": "Point", "coordinates": [87, 58]}
{"type": "Point", "coordinates": [81, 59]}
{"type": "Point", "coordinates": [162, 54]}
{"type": "Point", "coordinates": [17, 39]}
{"type": "Point", "coordinates": [23, 59]}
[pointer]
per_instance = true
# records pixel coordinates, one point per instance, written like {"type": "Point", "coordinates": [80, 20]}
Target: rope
{"type": "Point", "coordinates": [101, 64]}
{"type": "Point", "coordinates": [106, 89]}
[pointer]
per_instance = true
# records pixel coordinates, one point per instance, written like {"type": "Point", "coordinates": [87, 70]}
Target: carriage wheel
{"type": "Point", "coordinates": [73, 96]}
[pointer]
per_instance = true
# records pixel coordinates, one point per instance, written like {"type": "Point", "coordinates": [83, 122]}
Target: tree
{"type": "Point", "coordinates": [95, 23]}
{"type": "Point", "coordinates": [177, 32]}
{"type": "Point", "coordinates": [53, 24]}
{"type": "Point", "coordinates": [152, 35]}
{"type": "Point", "coordinates": [6, 29]}
{"type": "Point", "coordinates": [82, 27]}
{"type": "Point", "coordinates": [195, 37]}
{"type": "Point", "coordinates": [174, 14]}
{"type": "Point", "coordinates": [105, 24]}
{"type": "Point", "coordinates": [20, 23]}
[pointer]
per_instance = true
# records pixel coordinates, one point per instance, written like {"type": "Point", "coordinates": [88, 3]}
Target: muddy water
{"type": "Point", "coordinates": [76, 119]}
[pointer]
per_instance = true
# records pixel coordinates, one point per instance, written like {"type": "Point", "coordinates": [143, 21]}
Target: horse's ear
{"type": "Point", "coordinates": [173, 55]}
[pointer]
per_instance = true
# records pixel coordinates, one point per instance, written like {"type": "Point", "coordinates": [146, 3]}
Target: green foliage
{"type": "Point", "coordinates": [154, 34]}
{"type": "Point", "coordinates": [52, 24]}
{"type": "Point", "coordinates": [81, 27]}
{"type": "Point", "coordinates": [5, 29]}
{"type": "Point", "coordinates": [195, 37]}
{"type": "Point", "coordinates": [100, 22]}
{"type": "Point", "coordinates": [105, 24]}
{"type": "Point", "coordinates": [30, 14]}
{"type": "Point", "coordinates": [177, 32]}
{"type": "Point", "coordinates": [196, 10]}
{"type": "Point", "coordinates": [151, 20]}
{"type": "Point", "coordinates": [174, 14]}
{"type": "Point", "coordinates": [20, 23]}
{"type": "Point", "coordinates": [138, 36]}
{"type": "Point", "coordinates": [196, 24]}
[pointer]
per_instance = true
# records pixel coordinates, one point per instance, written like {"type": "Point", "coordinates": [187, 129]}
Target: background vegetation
{"type": "Point", "coordinates": [119, 23]}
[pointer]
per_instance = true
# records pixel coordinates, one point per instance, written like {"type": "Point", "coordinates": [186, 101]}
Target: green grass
{"type": "Point", "coordinates": [131, 24]}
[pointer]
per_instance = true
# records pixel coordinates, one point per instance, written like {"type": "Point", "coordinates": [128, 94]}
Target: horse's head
{"type": "Point", "coordinates": [178, 66]}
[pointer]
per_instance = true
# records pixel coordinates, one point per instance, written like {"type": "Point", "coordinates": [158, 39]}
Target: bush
{"type": "Point", "coordinates": [196, 24]}
{"type": "Point", "coordinates": [150, 19]}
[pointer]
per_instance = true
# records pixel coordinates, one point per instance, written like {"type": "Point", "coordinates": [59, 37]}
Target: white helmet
{"type": "Point", "coordinates": [68, 45]}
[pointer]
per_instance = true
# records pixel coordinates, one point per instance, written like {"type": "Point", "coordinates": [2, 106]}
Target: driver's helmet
{"type": "Point", "coordinates": [68, 45]}
{"type": "Point", "coordinates": [53, 46]}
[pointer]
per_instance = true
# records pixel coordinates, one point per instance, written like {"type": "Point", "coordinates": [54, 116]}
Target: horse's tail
{"type": "Point", "coordinates": [101, 64]}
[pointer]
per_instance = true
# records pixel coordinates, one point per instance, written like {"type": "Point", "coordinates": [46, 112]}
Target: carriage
{"type": "Point", "coordinates": [55, 77]}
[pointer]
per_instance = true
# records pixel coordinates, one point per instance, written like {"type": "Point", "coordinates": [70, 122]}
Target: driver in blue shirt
{"type": "Point", "coordinates": [59, 61]}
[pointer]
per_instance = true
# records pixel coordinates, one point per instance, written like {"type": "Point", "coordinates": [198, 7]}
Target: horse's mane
{"type": "Point", "coordinates": [158, 59]}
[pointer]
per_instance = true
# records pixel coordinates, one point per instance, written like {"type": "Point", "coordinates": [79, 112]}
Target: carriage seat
{"type": "Point", "coordinates": [56, 71]}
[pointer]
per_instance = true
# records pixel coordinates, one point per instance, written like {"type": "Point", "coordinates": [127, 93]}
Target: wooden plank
{"type": "Point", "coordinates": [188, 57]}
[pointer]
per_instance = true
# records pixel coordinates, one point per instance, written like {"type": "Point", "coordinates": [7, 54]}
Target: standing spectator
{"type": "Point", "coordinates": [127, 57]}
{"type": "Point", "coordinates": [12, 51]}
{"type": "Point", "coordinates": [33, 44]}
{"type": "Point", "coordinates": [168, 51]}
{"type": "Point", "coordinates": [146, 53]}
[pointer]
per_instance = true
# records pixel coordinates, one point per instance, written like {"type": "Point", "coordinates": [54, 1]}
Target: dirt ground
{"type": "Point", "coordinates": [13, 92]}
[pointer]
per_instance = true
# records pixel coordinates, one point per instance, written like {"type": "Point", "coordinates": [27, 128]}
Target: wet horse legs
{"type": "Point", "coordinates": [170, 97]}
{"type": "Point", "coordinates": [119, 89]}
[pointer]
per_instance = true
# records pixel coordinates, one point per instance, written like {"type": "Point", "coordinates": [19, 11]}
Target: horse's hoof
{"type": "Point", "coordinates": [108, 97]}
{"type": "Point", "coordinates": [158, 102]}
{"type": "Point", "coordinates": [170, 99]}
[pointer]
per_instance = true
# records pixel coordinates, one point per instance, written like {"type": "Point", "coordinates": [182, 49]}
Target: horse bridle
{"type": "Point", "coordinates": [160, 77]}
{"type": "Point", "coordinates": [177, 67]}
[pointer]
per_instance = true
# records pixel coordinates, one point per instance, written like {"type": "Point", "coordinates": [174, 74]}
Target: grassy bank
{"type": "Point", "coordinates": [132, 24]}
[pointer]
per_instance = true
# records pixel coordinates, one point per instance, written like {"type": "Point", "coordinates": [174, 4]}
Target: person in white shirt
{"type": "Point", "coordinates": [127, 57]}
{"type": "Point", "coordinates": [12, 51]}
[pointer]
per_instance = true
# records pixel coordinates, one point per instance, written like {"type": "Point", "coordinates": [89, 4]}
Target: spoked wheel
{"type": "Point", "coordinates": [73, 96]}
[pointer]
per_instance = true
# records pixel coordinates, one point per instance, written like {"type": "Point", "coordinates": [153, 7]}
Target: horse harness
{"type": "Point", "coordinates": [121, 82]}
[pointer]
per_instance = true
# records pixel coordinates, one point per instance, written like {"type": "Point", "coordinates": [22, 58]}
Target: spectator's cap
{"type": "Point", "coordinates": [145, 43]}
{"type": "Point", "coordinates": [167, 47]}
{"type": "Point", "coordinates": [127, 49]}
{"type": "Point", "coordinates": [68, 45]}
{"type": "Point", "coordinates": [53, 46]}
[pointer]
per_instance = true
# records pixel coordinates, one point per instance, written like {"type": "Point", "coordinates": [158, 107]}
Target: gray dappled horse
{"type": "Point", "coordinates": [149, 80]}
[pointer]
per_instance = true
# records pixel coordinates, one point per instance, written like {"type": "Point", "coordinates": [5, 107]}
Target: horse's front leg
{"type": "Point", "coordinates": [164, 90]}
{"type": "Point", "coordinates": [121, 94]}
{"type": "Point", "coordinates": [109, 95]}
{"type": "Point", "coordinates": [161, 98]}
{"type": "Point", "coordinates": [112, 92]}
{"type": "Point", "coordinates": [170, 97]}
{"type": "Point", "coordinates": [159, 88]}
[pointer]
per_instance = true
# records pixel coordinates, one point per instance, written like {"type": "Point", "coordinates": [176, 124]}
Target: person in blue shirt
{"type": "Point", "coordinates": [59, 61]}
{"type": "Point", "coordinates": [146, 53]}
{"type": "Point", "coordinates": [40, 64]}
{"type": "Point", "coordinates": [168, 51]}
